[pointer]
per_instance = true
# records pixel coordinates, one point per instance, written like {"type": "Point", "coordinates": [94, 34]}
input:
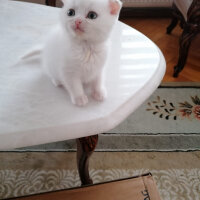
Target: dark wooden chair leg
{"type": "Point", "coordinates": [172, 25]}
{"type": "Point", "coordinates": [176, 17]}
{"type": "Point", "coordinates": [191, 28]}
{"type": "Point", "coordinates": [85, 148]}
{"type": "Point", "coordinates": [184, 45]}
{"type": "Point", "coordinates": [50, 3]}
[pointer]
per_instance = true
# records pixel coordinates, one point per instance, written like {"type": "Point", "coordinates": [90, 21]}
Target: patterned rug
{"type": "Point", "coordinates": [177, 174]}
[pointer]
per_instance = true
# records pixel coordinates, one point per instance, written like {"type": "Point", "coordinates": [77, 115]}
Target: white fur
{"type": "Point", "coordinates": [74, 58]}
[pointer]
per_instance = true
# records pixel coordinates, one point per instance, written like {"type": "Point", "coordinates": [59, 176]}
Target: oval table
{"type": "Point", "coordinates": [33, 111]}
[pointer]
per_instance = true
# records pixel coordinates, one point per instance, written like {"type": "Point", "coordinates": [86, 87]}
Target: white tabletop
{"type": "Point", "coordinates": [33, 111]}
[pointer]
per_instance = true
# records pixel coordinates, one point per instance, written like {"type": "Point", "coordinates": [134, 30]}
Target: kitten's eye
{"type": "Point", "coordinates": [71, 12]}
{"type": "Point", "coordinates": [92, 15]}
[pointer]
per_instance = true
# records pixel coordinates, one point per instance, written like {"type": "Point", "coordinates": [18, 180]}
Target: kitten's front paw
{"type": "Point", "coordinates": [99, 95]}
{"type": "Point", "coordinates": [80, 100]}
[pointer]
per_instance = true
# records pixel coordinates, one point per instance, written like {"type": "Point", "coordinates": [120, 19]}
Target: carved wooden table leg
{"type": "Point", "coordinates": [85, 148]}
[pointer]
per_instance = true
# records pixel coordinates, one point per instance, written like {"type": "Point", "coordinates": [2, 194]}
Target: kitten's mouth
{"type": "Point", "coordinates": [79, 30]}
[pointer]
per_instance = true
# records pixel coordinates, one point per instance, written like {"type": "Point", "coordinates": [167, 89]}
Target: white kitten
{"type": "Point", "coordinates": [76, 50]}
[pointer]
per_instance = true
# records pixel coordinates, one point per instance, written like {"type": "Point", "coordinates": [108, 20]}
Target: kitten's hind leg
{"type": "Point", "coordinates": [76, 92]}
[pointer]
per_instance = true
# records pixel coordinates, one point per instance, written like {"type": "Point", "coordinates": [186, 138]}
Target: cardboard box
{"type": "Point", "coordinates": [136, 188]}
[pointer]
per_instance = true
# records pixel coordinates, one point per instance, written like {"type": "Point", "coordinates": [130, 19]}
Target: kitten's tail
{"type": "Point", "coordinates": [37, 50]}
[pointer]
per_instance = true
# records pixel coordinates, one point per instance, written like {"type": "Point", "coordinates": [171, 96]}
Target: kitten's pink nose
{"type": "Point", "coordinates": [78, 22]}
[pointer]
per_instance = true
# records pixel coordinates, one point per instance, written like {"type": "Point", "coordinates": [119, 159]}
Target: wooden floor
{"type": "Point", "coordinates": [155, 29]}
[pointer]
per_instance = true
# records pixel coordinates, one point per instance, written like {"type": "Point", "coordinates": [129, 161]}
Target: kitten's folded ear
{"type": "Point", "coordinates": [115, 6]}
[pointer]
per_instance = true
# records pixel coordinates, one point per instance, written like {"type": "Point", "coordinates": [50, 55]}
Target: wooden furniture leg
{"type": "Point", "coordinates": [85, 148]}
{"type": "Point", "coordinates": [184, 45]}
{"type": "Point", "coordinates": [190, 29]}
{"type": "Point", "coordinates": [176, 17]}
{"type": "Point", "coordinates": [172, 25]}
{"type": "Point", "coordinates": [50, 3]}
